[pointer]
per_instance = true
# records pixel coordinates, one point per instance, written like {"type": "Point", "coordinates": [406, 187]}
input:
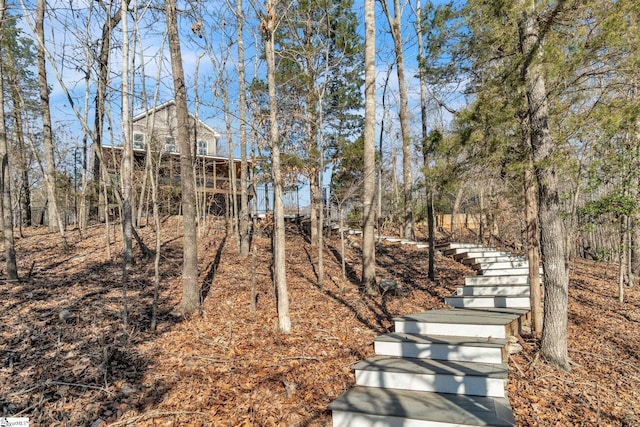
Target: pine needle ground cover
{"type": "Point", "coordinates": [65, 358]}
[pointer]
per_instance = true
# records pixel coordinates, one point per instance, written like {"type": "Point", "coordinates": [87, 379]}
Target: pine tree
{"type": "Point", "coordinates": [319, 68]}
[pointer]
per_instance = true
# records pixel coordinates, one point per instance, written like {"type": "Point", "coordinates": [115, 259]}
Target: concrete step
{"type": "Point", "coordinates": [488, 301]}
{"type": "Point", "coordinates": [456, 245]}
{"type": "Point", "coordinates": [372, 406]}
{"type": "Point", "coordinates": [517, 271]}
{"type": "Point", "coordinates": [522, 279]}
{"type": "Point", "coordinates": [495, 290]}
{"type": "Point", "coordinates": [461, 323]}
{"type": "Point", "coordinates": [479, 254]}
{"type": "Point", "coordinates": [500, 265]}
{"type": "Point", "coordinates": [393, 239]}
{"type": "Point", "coordinates": [476, 379]}
{"type": "Point", "coordinates": [442, 347]}
{"type": "Point", "coordinates": [471, 261]}
{"type": "Point", "coordinates": [408, 242]}
{"type": "Point", "coordinates": [463, 250]}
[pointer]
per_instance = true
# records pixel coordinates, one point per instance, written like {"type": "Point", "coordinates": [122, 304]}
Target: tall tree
{"type": "Point", "coordinates": [510, 63]}
{"type": "Point", "coordinates": [55, 221]}
{"type": "Point", "coordinates": [368, 199]}
{"type": "Point", "coordinates": [268, 26]}
{"type": "Point", "coordinates": [320, 70]}
{"type": "Point", "coordinates": [424, 134]}
{"type": "Point", "coordinates": [242, 112]}
{"type": "Point", "coordinates": [127, 163]}
{"type": "Point", "coordinates": [190, 303]}
{"type": "Point", "coordinates": [556, 278]}
{"type": "Point", "coordinates": [5, 176]}
{"type": "Point", "coordinates": [395, 24]}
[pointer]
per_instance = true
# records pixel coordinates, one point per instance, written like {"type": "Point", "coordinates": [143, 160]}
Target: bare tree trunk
{"type": "Point", "coordinates": [432, 237]}
{"type": "Point", "coordinates": [321, 231]}
{"type": "Point", "coordinates": [342, 255]}
{"type": "Point", "coordinates": [454, 212]}
{"type": "Point", "coordinates": [100, 99]}
{"type": "Point", "coordinates": [103, 183]}
{"type": "Point", "coordinates": [379, 162]}
{"type": "Point", "coordinates": [394, 185]}
{"type": "Point", "coordinates": [368, 199]}
{"type": "Point", "coordinates": [153, 171]}
{"type": "Point", "coordinates": [127, 166]}
{"type": "Point", "coordinates": [314, 185]}
{"type": "Point", "coordinates": [635, 248]}
{"type": "Point", "coordinates": [556, 280]}
{"type": "Point", "coordinates": [242, 101]}
{"type": "Point", "coordinates": [395, 23]}
{"type": "Point", "coordinates": [153, 181]}
{"type": "Point", "coordinates": [425, 153]}
{"type": "Point", "coordinates": [5, 174]}
{"type": "Point", "coordinates": [55, 222]}
{"type": "Point", "coordinates": [623, 259]}
{"type": "Point", "coordinates": [82, 215]}
{"type": "Point", "coordinates": [533, 243]}
{"type": "Point", "coordinates": [233, 206]}
{"type": "Point", "coordinates": [279, 259]}
{"type": "Point", "coordinates": [142, 201]}
{"type": "Point", "coordinates": [481, 225]}
{"type": "Point", "coordinates": [156, 258]}
{"type": "Point", "coordinates": [314, 192]}
{"type": "Point", "coordinates": [631, 273]}
{"type": "Point", "coordinates": [190, 303]}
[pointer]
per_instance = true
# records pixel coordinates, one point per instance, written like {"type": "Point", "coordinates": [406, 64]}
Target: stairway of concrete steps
{"type": "Point", "coordinates": [445, 367]}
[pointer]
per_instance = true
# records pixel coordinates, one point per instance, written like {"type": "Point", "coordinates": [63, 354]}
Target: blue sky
{"type": "Point", "coordinates": [71, 24]}
{"type": "Point", "coordinates": [66, 44]}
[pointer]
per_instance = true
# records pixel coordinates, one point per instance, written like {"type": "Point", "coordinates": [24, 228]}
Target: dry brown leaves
{"type": "Point", "coordinates": [230, 367]}
{"type": "Point", "coordinates": [604, 348]}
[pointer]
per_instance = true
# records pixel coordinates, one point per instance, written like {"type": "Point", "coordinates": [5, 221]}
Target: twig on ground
{"type": "Point", "coordinates": [40, 402]}
{"type": "Point", "coordinates": [301, 358]}
{"type": "Point", "coordinates": [92, 387]}
{"type": "Point", "coordinates": [25, 390]}
{"type": "Point", "coordinates": [513, 360]}
{"type": "Point", "coordinates": [216, 360]}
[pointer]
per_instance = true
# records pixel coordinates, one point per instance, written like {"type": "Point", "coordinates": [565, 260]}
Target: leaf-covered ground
{"type": "Point", "coordinates": [65, 358]}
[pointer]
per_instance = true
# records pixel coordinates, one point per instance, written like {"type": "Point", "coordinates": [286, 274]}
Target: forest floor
{"type": "Point", "coordinates": [65, 358]}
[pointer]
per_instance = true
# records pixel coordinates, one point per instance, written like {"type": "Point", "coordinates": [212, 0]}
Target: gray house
{"type": "Point", "coordinates": [158, 127]}
{"type": "Point", "coordinates": [155, 132]}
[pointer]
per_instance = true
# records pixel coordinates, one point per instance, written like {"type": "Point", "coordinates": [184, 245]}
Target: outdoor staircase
{"type": "Point", "coordinates": [445, 367]}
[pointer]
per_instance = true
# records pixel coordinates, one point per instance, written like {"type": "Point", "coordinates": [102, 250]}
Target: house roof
{"type": "Point", "coordinates": [168, 104]}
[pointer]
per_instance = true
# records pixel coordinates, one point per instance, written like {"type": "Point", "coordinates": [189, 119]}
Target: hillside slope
{"type": "Point", "coordinates": [66, 360]}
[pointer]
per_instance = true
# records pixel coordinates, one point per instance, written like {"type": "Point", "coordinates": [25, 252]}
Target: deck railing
{"type": "Point", "coordinates": [219, 183]}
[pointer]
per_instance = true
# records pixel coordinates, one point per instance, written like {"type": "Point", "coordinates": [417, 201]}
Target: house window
{"type": "Point", "coordinates": [138, 141]}
{"type": "Point", "coordinates": [203, 148]}
{"type": "Point", "coordinates": [170, 145]}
